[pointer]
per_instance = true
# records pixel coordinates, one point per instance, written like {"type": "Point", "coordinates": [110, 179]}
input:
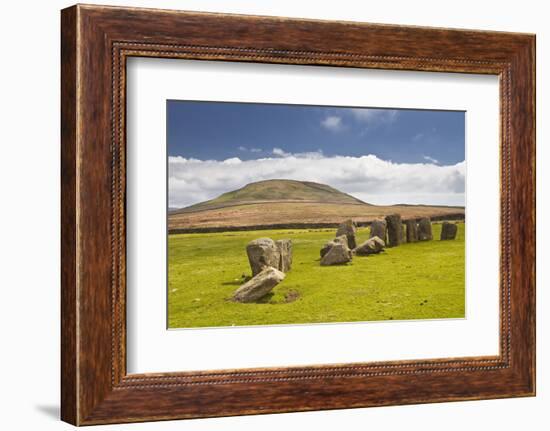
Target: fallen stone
{"type": "Point", "coordinates": [348, 228]}
{"type": "Point", "coordinates": [448, 230]}
{"type": "Point", "coordinates": [262, 252]}
{"type": "Point", "coordinates": [259, 286]}
{"type": "Point", "coordinates": [425, 229]}
{"type": "Point", "coordinates": [378, 228]}
{"type": "Point", "coordinates": [373, 245]}
{"type": "Point", "coordinates": [394, 229]}
{"type": "Point", "coordinates": [284, 246]}
{"type": "Point", "coordinates": [412, 230]}
{"type": "Point", "coordinates": [338, 254]}
{"type": "Point", "coordinates": [342, 239]}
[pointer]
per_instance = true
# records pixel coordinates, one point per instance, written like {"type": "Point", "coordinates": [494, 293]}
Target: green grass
{"type": "Point", "coordinates": [423, 280]}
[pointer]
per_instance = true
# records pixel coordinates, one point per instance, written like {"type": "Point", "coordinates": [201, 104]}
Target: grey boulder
{"type": "Point", "coordinates": [259, 286]}
{"type": "Point", "coordinates": [348, 228]}
{"type": "Point", "coordinates": [378, 228]}
{"type": "Point", "coordinates": [424, 229]}
{"type": "Point", "coordinates": [448, 230]}
{"type": "Point", "coordinates": [342, 239]}
{"type": "Point", "coordinates": [395, 230]}
{"type": "Point", "coordinates": [411, 230]}
{"type": "Point", "coordinates": [262, 252]}
{"type": "Point", "coordinates": [373, 245]}
{"type": "Point", "coordinates": [338, 254]}
{"type": "Point", "coordinates": [284, 246]}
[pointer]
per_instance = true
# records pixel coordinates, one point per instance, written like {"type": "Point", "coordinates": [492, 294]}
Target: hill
{"type": "Point", "coordinates": [290, 204]}
{"type": "Point", "coordinates": [270, 191]}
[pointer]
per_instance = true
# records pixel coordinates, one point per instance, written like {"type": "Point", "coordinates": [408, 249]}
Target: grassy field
{"type": "Point", "coordinates": [421, 280]}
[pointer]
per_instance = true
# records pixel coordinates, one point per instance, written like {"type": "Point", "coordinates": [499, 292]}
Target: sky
{"type": "Point", "coordinates": [382, 156]}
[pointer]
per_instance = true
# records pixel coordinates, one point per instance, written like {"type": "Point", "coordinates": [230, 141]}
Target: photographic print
{"type": "Point", "coordinates": [294, 214]}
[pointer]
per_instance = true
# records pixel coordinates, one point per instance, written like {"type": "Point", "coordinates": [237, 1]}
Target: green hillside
{"type": "Point", "coordinates": [275, 191]}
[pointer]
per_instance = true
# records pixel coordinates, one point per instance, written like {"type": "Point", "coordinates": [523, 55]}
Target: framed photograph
{"type": "Point", "coordinates": [267, 215]}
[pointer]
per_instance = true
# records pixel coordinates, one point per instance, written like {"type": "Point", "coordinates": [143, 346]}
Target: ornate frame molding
{"type": "Point", "coordinates": [96, 41]}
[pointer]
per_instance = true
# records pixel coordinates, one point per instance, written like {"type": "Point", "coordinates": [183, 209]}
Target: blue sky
{"type": "Point", "coordinates": [218, 131]}
{"type": "Point", "coordinates": [382, 156]}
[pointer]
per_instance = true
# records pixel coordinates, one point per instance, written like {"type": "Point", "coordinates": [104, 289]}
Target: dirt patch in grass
{"type": "Point", "coordinates": [291, 296]}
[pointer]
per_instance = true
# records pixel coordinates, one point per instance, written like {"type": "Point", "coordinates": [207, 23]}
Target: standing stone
{"type": "Point", "coordinates": [259, 286]}
{"type": "Point", "coordinates": [425, 229]}
{"type": "Point", "coordinates": [378, 228]}
{"type": "Point", "coordinates": [412, 230]}
{"type": "Point", "coordinates": [285, 254]}
{"type": "Point", "coordinates": [342, 239]}
{"type": "Point", "coordinates": [348, 228]}
{"type": "Point", "coordinates": [395, 230]}
{"type": "Point", "coordinates": [371, 246]}
{"type": "Point", "coordinates": [448, 230]}
{"type": "Point", "coordinates": [262, 252]}
{"type": "Point", "coordinates": [338, 254]}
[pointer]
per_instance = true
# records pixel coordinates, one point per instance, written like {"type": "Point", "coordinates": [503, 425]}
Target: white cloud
{"type": "Point", "coordinates": [252, 150]}
{"type": "Point", "coordinates": [368, 178]}
{"type": "Point", "coordinates": [307, 155]}
{"type": "Point", "coordinates": [373, 117]}
{"type": "Point", "coordinates": [232, 161]}
{"type": "Point", "coordinates": [367, 117]}
{"type": "Point", "coordinates": [332, 123]}
{"type": "Point", "coordinates": [281, 153]}
{"type": "Point", "coordinates": [431, 159]}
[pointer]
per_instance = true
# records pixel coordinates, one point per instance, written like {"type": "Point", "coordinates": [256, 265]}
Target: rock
{"type": "Point", "coordinates": [448, 230]}
{"type": "Point", "coordinates": [394, 229]}
{"type": "Point", "coordinates": [262, 252]}
{"type": "Point", "coordinates": [412, 230]}
{"type": "Point", "coordinates": [342, 239]}
{"type": "Point", "coordinates": [348, 228]}
{"type": "Point", "coordinates": [338, 254]}
{"type": "Point", "coordinates": [285, 254]}
{"type": "Point", "coordinates": [424, 229]}
{"type": "Point", "coordinates": [378, 228]}
{"type": "Point", "coordinates": [373, 245]}
{"type": "Point", "coordinates": [259, 286]}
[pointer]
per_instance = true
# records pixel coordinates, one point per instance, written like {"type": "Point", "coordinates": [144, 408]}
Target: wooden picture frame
{"type": "Point", "coordinates": [95, 43]}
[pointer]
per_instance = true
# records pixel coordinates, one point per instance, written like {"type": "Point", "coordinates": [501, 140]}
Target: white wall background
{"type": "Point", "coordinates": [29, 216]}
